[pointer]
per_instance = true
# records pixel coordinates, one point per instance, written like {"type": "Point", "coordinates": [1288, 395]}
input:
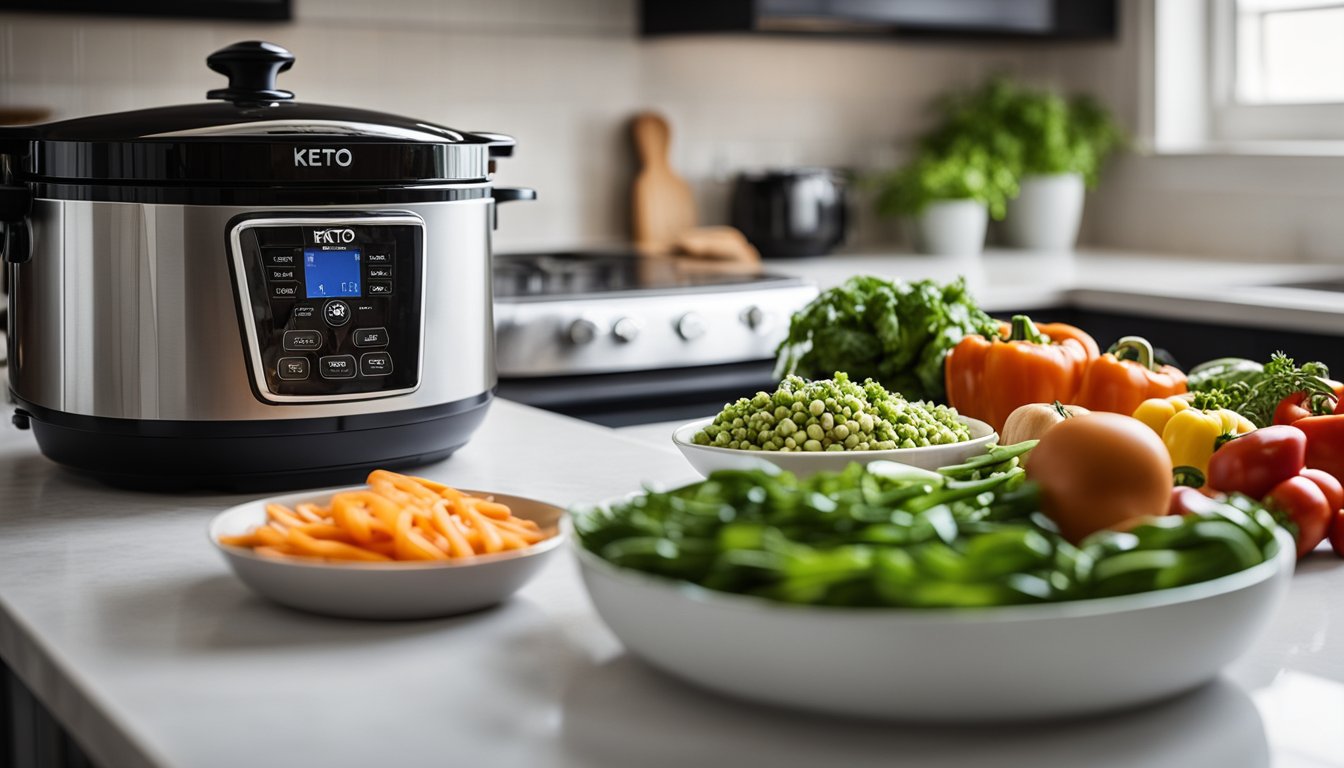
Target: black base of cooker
{"type": "Point", "coordinates": [251, 456]}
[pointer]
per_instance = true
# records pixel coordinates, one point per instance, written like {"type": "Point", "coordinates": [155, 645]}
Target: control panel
{"type": "Point", "coordinates": [332, 306]}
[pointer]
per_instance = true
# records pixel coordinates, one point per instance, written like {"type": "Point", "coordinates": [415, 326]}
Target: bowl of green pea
{"type": "Point", "coordinates": [805, 427]}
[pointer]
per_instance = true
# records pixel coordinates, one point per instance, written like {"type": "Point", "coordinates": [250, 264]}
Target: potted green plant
{"type": "Point", "coordinates": [946, 195]}
{"type": "Point", "coordinates": [1056, 146]}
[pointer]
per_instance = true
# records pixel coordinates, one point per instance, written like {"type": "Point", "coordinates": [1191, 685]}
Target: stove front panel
{"type": "Point", "coordinates": [642, 332]}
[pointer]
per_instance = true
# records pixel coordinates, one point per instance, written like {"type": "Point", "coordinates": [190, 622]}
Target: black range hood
{"type": "Point", "coordinates": [1039, 19]}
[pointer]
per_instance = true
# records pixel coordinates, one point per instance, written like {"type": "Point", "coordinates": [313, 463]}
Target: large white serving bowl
{"type": "Point", "coordinates": [709, 458]}
{"type": "Point", "coordinates": [385, 590]}
{"type": "Point", "coordinates": [946, 665]}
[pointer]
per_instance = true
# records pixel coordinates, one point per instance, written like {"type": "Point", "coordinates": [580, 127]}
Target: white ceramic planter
{"type": "Point", "coordinates": [1046, 213]}
{"type": "Point", "coordinates": [950, 228]}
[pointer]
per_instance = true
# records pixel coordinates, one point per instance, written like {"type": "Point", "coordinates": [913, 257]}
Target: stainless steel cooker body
{"type": "Point", "coordinates": [250, 291]}
{"type": "Point", "coordinates": [131, 311]}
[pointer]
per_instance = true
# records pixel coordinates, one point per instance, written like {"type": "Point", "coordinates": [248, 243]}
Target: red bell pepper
{"type": "Point", "coordinates": [1305, 505]}
{"type": "Point", "coordinates": [1325, 443]}
{"type": "Point", "coordinates": [1257, 461]}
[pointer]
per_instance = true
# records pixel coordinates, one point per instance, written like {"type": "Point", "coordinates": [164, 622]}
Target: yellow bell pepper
{"type": "Point", "coordinates": [1190, 428]}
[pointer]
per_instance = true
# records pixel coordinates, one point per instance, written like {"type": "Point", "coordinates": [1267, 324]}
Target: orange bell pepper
{"type": "Point", "coordinates": [988, 379]}
{"type": "Point", "coordinates": [1115, 382]}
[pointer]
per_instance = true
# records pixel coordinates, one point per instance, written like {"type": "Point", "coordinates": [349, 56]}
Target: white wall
{"type": "Point", "coordinates": [563, 76]}
{"type": "Point", "coordinates": [1251, 206]}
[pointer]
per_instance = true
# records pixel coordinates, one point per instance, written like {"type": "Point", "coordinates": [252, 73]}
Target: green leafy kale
{"type": "Point", "coordinates": [895, 332]}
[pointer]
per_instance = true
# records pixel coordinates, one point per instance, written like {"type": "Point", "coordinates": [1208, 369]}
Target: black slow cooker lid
{"type": "Point", "coordinates": [251, 133]}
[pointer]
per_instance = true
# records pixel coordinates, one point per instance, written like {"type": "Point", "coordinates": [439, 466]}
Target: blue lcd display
{"type": "Point", "coordinates": [331, 273]}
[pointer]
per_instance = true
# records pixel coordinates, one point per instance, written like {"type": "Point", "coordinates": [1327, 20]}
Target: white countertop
{"type": "Point", "coordinates": [1161, 286]}
{"type": "Point", "coordinates": [116, 611]}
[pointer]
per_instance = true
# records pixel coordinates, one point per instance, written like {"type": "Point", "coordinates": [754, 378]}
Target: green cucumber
{"type": "Point", "coordinates": [1223, 372]}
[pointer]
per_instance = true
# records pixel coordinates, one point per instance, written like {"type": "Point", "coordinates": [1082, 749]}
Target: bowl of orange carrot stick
{"type": "Point", "coordinates": [399, 547]}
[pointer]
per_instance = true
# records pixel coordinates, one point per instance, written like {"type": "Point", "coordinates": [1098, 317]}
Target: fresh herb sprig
{"type": "Point", "coordinates": [1257, 401]}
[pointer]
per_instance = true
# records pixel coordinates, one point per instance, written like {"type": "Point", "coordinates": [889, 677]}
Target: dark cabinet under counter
{"type": "Point", "coordinates": [1190, 342]}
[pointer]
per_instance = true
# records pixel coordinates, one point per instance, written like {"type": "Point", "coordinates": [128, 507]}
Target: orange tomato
{"type": "Point", "coordinates": [1099, 471]}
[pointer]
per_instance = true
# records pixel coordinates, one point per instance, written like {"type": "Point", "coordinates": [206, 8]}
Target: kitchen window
{"type": "Point", "coordinates": [1276, 70]}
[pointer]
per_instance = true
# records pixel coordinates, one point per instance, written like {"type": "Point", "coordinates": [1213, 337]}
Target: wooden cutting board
{"type": "Point", "coordinates": [662, 207]}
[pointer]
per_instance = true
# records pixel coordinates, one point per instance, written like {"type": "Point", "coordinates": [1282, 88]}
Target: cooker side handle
{"type": "Point", "coordinates": [509, 195]}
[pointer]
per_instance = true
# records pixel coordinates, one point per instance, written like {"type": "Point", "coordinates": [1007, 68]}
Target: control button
{"type": "Point", "coordinates": [281, 257]}
{"type": "Point", "coordinates": [378, 273]}
{"type": "Point", "coordinates": [378, 288]}
{"type": "Point", "coordinates": [337, 313]}
{"type": "Point", "coordinates": [277, 273]}
{"type": "Point", "coordinates": [376, 254]}
{"type": "Point", "coordinates": [292, 368]}
{"type": "Point", "coordinates": [582, 331]}
{"type": "Point", "coordinates": [303, 311]}
{"type": "Point", "coordinates": [690, 326]}
{"type": "Point", "coordinates": [375, 364]}
{"type": "Point", "coordinates": [285, 290]}
{"type": "Point", "coordinates": [301, 341]}
{"type": "Point", "coordinates": [337, 367]}
{"type": "Point", "coordinates": [370, 337]}
{"type": "Point", "coordinates": [625, 329]}
{"type": "Point", "coordinates": [755, 318]}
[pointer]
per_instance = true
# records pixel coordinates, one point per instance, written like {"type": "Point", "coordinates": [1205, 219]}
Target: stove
{"type": "Point", "coordinates": [620, 337]}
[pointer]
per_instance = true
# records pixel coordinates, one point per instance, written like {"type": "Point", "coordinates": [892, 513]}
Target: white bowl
{"type": "Point", "coordinates": [385, 590]}
{"type": "Point", "coordinates": [710, 458]}
{"type": "Point", "coordinates": [950, 665]}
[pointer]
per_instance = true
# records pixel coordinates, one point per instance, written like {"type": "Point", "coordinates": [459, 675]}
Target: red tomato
{"type": "Point", "coordinates": [1325, 443]}
{"type": "Point", "coordinates": [1185, 500]}
{"type": "Point", "coordinates": [1337, 533]}
{"type": "Point", "coordinates": [1332, 488]}
{"type": "Point", "coordinates": [1256, 462]}
{"type": "Point", "coordinates": [1304, 503]}
{"type": "Point", "coordinates": [1295, 407]}
{"type": "Point", "coordinates": [1292, 410]}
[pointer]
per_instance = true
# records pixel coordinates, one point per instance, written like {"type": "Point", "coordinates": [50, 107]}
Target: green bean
{"type": "Point", "coordinates": [968, 536]}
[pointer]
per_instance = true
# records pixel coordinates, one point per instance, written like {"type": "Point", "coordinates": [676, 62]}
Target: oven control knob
{"type": "Point", "coordinates": [625, 329]}
{"type": "Point", "coordinates": [755, 318]}
{"type": "Point", "coordinates": [690, 326]}
{"type": "Point", "coordinates": [582, 331]}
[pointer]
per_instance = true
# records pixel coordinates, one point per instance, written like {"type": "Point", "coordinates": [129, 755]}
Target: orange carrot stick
{"type": "Point", "coordinates": [279, 513]}
{"type": "Point", "coordinates": [335, 550]}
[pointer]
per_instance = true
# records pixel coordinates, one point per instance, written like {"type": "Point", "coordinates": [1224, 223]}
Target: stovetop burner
{"type": "Point", "coordinates": [580, 273]}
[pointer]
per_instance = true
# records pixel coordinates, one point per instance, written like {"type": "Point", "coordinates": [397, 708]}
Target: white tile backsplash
{"type": "Point", "coordinates": [563, 76]}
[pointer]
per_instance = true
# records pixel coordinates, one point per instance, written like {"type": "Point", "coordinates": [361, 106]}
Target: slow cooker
{"type": "Point", "coordinates": [251, 291]}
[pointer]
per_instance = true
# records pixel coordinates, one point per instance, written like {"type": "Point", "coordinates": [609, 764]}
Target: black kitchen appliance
{"type": "Point", "coordinates": [791, 213]}
{"type": "Point", "coordinates": [252, 291]}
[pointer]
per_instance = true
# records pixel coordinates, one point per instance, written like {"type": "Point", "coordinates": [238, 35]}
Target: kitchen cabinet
{"type": "Point", "coordinates": [1026, 19]}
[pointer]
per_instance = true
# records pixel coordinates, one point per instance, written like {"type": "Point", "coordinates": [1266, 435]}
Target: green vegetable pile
{"type": "Point", "coordinates": [894, 332]}
{"type": "Point", "coordinates": [831, 415]}
{"type": "Point", "coordinates": [891, 535]}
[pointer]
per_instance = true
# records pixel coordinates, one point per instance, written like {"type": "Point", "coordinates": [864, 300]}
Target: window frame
{"type": "Point", "coordinates": [1231, 121]}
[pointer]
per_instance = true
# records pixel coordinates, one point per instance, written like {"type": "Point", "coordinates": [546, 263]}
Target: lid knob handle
{"type": "Point", "coordinates": [251, 67]}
